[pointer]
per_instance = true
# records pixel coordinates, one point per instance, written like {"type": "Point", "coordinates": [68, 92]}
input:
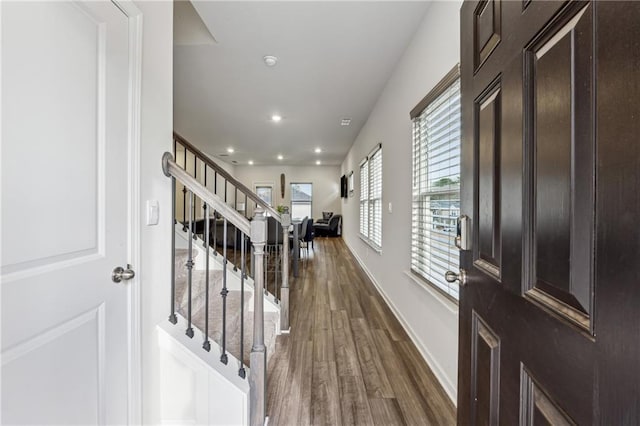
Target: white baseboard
{"type": "Point", "coordinates": [449, 387]}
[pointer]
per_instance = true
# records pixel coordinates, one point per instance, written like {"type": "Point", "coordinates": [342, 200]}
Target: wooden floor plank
{"type": "Point", "coordinates": [348, 360]}
{"type": "Point", "coordinates": [322, 312]}
{"type": "Point", "coordinates": [354, 402]}
{"type": "Point", "coordinates": [373, 372]}
{"type": "Point", "coordinates": [325, 401]}
{"type": "Point", "coordinates": [304, 414]}
{"type": "Point", "coordinates": [391, 324]}
{"type": "Point", "coordinates": [371, 313]}
{"type": "Point", "coordinates": [336, 297]}
{"type": "Point", "coordinates": [321, 291]}
{"type": "Point", "coordinates": [293, 404]}
{"type": "Point", "coordinates": [344, 345]}
{"type": "Point", "coordinates": [352, 301]}
{"type": "Point", "coordinates": [277, 373]}
{"type": "Point", "coordinates": [386, 412]}
{"type": "Point", "coordinates": [323, 349]}
{"type": "Point", "coordinates": [423, 377]}
{"type": "Point", "coordinates": [415, 409]}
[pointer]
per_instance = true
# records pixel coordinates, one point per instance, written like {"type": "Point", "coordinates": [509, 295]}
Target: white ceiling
{"type": "Point", "coordinates": [334, 60]}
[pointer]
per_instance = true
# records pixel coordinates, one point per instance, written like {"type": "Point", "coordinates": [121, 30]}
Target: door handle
{"type": "Point", "coordinates": [460, 278]}
{"type": "Point", "coordinates": [120, 274]}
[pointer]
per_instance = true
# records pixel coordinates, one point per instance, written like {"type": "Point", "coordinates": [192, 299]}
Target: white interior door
{"type": "Point", "coordinates": [65, 133]}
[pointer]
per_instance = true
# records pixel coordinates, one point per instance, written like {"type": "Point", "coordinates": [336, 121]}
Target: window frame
{"type": "Point", "coordinates": [367, 200]}
{"type": "Point", "coordinates": [443, 85]}
{"type": "Point", "coordinates": [291, 201]}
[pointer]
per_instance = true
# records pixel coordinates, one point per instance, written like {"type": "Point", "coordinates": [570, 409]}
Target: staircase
{"type": "Point", "coordinates": [222, 272]}
{"type": "Point", "coordinates": [239, 303]}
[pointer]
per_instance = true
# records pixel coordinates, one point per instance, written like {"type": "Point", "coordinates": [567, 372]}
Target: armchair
{"type": "Point", "coordinates": [325, 217]}
{"type": "Point", "coordinates": [333, 227]}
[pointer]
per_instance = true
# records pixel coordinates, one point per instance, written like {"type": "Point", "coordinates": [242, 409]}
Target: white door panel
{"type": "Point", "coordinates": [48, 356]}
{"type": "Point", "coordinates": [65, 131]}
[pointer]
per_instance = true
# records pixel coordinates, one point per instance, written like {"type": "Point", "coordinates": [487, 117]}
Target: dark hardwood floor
{"type": "Point", "coordinates": [347, 359]}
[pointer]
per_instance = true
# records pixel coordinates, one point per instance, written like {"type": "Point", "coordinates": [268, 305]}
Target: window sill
{"type": "Point", "coordinates": [447, 301]}
{"type": "Point", "coordinates": [370, 244]}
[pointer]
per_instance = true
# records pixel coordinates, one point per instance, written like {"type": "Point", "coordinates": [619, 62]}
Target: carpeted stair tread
{"type": "Point", "coordinates": [233, 301]}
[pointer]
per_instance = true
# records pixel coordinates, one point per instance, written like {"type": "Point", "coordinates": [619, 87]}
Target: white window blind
{"type": "Point", "coordinates": [375, 198]}
{"type": "Point", "coordinates": [436, 187]}
{"type": "Point", "coordinates": [364, 199]}
{"type": "Point", "coordinates": [371, 198]}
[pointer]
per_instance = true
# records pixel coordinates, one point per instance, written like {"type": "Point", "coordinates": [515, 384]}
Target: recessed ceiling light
{"type": "Point", "coordinates": [276, 118]}
{"type": "Point", "coordinates": [345, 121]}
{"type": "Point", "coordinates": [318, 163]}
{"type": "Point", "coordinates": [280, 157]}
{"type": "Point", "coordinates": [230, 150]}
{"type": "Point", "coordinates": [317, 150]}
{"type": "Point", "coordinates": [251, 162]}
{"type": "Point", "coordinates": [270, 60]}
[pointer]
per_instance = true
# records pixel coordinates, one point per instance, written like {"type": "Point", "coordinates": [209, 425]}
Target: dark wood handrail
{"type": "Point", "coordinates": [222, 172]}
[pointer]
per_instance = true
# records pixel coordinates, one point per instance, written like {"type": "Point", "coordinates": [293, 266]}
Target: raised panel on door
{"type": "Point", "coordinates": [558, 70]}
{"type": "Point", "coordinates": [537, 408]}
{"type": "Point", "coordinates": [60, 379]}
{"type": "Point", "coordinates": [487, 140]}
{"type": "Point", "coordinates": [43, 99]}
{"type": "Point", "coordinates": [485, 372]}
{"type": "Point", "coordinates": [487, 29]}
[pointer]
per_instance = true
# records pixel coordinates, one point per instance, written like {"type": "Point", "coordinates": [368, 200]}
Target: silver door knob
{"type": "Point", "coordinates": [452, 277]}
{"type": "Point", "coordinates": [120, 274]}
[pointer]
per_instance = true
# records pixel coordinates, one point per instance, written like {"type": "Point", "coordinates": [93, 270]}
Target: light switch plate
{"type": "Point", "coordinates": [153, 212]}
{"type": "Point", "coordinates": [390, 208]}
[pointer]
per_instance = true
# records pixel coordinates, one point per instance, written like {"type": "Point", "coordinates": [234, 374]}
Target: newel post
{"type": "Point", "coordinates": [284, 290]}
{"type": "Point", "coordinates": [258, 358]}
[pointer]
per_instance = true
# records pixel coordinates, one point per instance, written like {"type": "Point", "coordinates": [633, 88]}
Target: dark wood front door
{"type": "Point", "coordinates": [550, 313]}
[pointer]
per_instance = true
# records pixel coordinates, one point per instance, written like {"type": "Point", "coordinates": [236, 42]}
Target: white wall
{"type": "Point", "coordinates": [430, 319]}
{"type": "Point", "coordinates": [325, 180]}
{"type": "Point", "coordinates": [156, 138]}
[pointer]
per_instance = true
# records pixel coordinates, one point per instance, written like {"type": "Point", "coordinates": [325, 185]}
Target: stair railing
{"type": "Point", "coordinates": [254, 231]}
{"type": "Point", "coordinates": [237, 195]}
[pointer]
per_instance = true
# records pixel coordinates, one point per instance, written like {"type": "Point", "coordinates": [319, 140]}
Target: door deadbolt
{"type": "Point", "coordinates": [463, 233]}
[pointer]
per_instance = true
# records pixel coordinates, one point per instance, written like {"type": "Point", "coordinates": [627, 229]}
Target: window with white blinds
{"type": "Point", "coordinates": [371, 198]}
{"type": "Point", "coordinates": [436, 184]}
{"type": "Point", "coordinates": [364, 199]}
